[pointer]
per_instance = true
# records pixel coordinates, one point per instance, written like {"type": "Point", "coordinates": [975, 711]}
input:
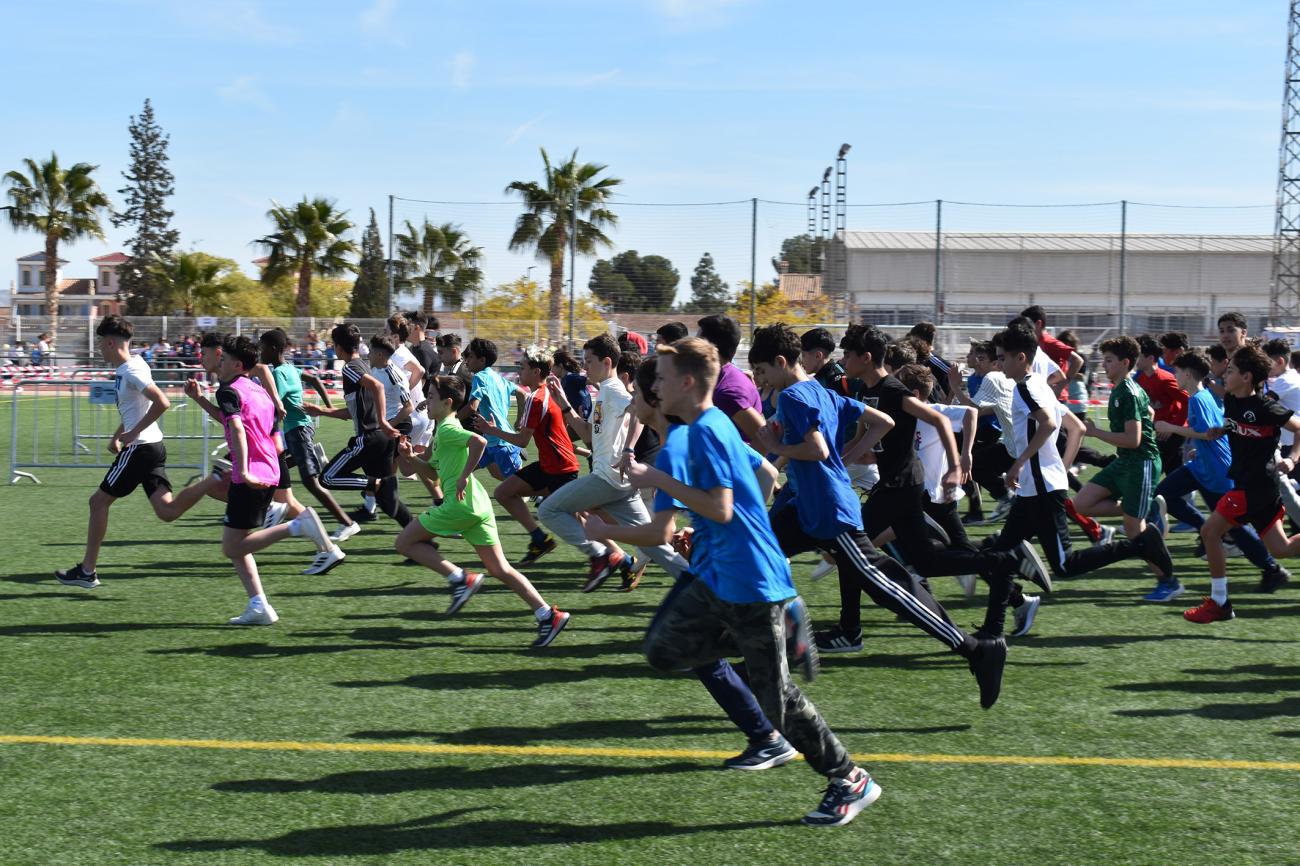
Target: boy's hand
{"type": "Point", "coordinates": [389, 430]}
{"type": "Point", "coordinates": [311, 409]}
{"type": "Point", "coordinates": [1012, 478]}
{"type": "Point", "coordinates": [1286, 465]}
{"type": "Point", "coordinates": [595, 528]}
{"type": "Point", "coordinates": [641, 475]}
{"type": "Point", "coordinates": [461, 484]}
{"type": "Point", "coordinates": [1216, 432]}
{"type": "Point", "coordinates": [682, 542]}
{"type": "Point", "coordinates": [1089, 427]}
{"type": "Point", "coordinates": [951, 481]}
{"type": "Point", "coordinates": [405, 448]}
{"type": "Point", "coordinates": [193, 389]}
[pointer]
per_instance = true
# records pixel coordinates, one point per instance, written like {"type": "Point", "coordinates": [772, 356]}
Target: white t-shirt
{"type": "Point", "coordinates": [608, 430]}
{"type": "Point", "coordinates": [1043, 365]}
{"type": "Point", "coordinates": [396, 391]}
{"type": "Point", "coordinates": [1287, 389]}
{"type": "Point", "coordinates": [1046, 465]}
{"type": "Point", "coordinates": [995, 391]}
{"type": "Point", "coordinates": [929, 449]}
{"type": "Point", "coordinates": [402, 356]}
{"type": "Point", "coordinates": [130, 382]}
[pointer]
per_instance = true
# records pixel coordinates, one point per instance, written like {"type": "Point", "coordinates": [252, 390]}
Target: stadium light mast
{"type": "Point", "coordinates": [826, 217]}
{"type": "Point", "coordinates": [812, 213]}
{"type": "Point", "coordinates": [1284, 300]}
{"type": "Point", "coordinates": [837, 280]}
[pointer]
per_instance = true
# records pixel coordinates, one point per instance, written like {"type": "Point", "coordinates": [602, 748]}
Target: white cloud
{"type": "Point", "coordinates": [244, 90]}
{"type": "Point", "coordinates": [242, 20]}
{"type": "Point", "coordinates": [524, 127]}
{"type": "Point", "coordinates": [695, 14]}
{"type": "Point", "coordinates": [377, 22]}
{"type": "Point", "coordinates": [462, 68]}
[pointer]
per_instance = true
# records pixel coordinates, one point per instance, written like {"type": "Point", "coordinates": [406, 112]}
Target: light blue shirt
{"type": "Point", "coordinates": [492, 392]}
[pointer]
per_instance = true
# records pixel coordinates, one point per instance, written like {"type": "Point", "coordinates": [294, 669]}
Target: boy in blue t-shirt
{"type": "Point", "coordinates": [489, 397]}
{"type": "Point", "coordinates": [826, 515]}
{"type": "Point", "coordinates": [742, 580]}
{"type": "Point", "coordinates": [1207, 472]}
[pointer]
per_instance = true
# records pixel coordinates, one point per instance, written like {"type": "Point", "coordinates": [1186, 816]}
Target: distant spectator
{"type": "Point", "coordinates": [631, 341]}
{"type": "Point", "coordinates": [670, 333]}
{"type": "Point", "coordinates": [41, 353]}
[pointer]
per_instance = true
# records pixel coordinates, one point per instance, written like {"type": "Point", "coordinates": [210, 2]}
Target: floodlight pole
{"type": "Point", "coordinates": [753, 267]}
{"type": "Point", "coordinates": [573, 259]}
{"type": "Point", "coordinates": [390, 253]}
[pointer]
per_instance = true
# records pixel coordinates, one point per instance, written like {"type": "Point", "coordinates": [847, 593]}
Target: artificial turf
{"type": "Point", "coordinates": [365, 655]}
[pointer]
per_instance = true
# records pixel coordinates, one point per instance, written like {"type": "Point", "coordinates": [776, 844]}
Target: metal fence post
{"type": "Point", "coordinates": [164, 327]}
{"type": "Point", "coordinates": [390, 254]}
{"type": "Point", "coordinates": [573, 260]}
{"type": "Point", "coordinates": [90, 336]}
{"type": "Point", "coordinates": [753, 266]}
{"type": "Point", "coordinates": [938, 261]}
{"type": "Point", "coordinates": [1123, 263]}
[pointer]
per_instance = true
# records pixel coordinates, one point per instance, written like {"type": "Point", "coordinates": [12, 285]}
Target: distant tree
{"type": "Point", "coordinates": [63, 205]}
{"type": "Point", "coordinates": [544, 224]}
{"type": "Point", "coordinates": [194, 283]}
{"type": "Point", "coordinates": [370, 291]}
{"type": "Point", "coordinates": [513, 309]}
{"type": "Point", "coordinates": [631, 282]}
{"type": "Point", "coordinates": [802, 254]}
{"type": "Point", "coordinates": [308, 240]}
{"type": "Point", "coordinates": [441, 260]}
{"type": "Point", "coordinates": [709, 294]}
{"type": "Point", "coordinates": [774, 307]}
{"type": "Point", "coordinates": [148, 185]}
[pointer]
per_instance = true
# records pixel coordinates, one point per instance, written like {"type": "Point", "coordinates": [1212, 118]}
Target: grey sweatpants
{"type": "Point", "coordinates": [626, 507]}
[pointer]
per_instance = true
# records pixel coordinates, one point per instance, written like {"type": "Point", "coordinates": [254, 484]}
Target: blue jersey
{"type": "Point", "coordinates": [1210, 465]}
{"type": "Point", "coordinates": [492, 392]}
{"type": "Point", "coordinates": [742, 562]}
{"type": "Point", "coordinates": [826, 502]}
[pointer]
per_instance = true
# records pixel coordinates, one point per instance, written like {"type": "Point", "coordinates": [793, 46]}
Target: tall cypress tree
{"type": "Point", "coordinates": [149, 183]}
{"type": "Point", "coordinates": [370, 293]}
{"type": "Point", "coordinates": [709, 294]}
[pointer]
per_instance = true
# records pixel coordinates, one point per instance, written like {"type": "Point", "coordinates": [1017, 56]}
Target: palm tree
{"type": "Point", "coordinates": [185, 279]}
{"type": "Point", "coordinates": [544, 224]}
{"type": "Point", "coordinates": [308, 238]}
{"type": "Point", "coordinates": [441, 260]}
{"type": "Point", "coordinates": [64, 205]}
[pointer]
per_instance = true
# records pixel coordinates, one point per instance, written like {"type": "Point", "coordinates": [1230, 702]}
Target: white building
{"type": "Point", "coordinates": [78, 296]}
{"type": "Point", "coordinates": [1171, 282]}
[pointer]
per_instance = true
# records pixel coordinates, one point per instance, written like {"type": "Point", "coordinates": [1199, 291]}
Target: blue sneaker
{"type": "Point", "coordinates": [844, 799]}
{"type": "Point", "coordinates": [1164, 591]}
{"type": "Point", "coordinates": [1184, 528]}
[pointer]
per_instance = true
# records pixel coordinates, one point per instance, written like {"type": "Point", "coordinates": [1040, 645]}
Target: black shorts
{"type": "Point", "coordinates": [404, 427]}
{"type": "Point", "coordinates": [284, 472]}
{"type": "Point", "coordinates": [246, 506]}
{"type": "Point", "coordinates": [300, 442]}
{"type": "Point", "coordinates": [372, 453]}
{"type": "Point", "coordinates": [535, 477]}
{"type": "Point", "coordinates": [136, 464]}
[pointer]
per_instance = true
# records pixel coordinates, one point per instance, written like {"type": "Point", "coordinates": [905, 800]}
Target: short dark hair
{"type": "Point", "coordinates": [723, 332]}
{"type": "Point", "coordinates": [1175, 340]}
{"type": "Point", "coordinates": [1069, 338]}
{"type": "Point", "coordinates": [1122, 347]}
{"type": "Point", "coordinates": [212, 340]}
{"type": "Point", "coordinates": [775, 341]}
{"type": "Point", "coordinates": [1034, 313]}
{"type": "Point", "coordinates": [1277, 348]}
{"type": "Point", "coordinates": [603, 346]}
{"type": "Point", "coordinates": [346, 336]}
{"type": "Point", "coordinates": [1217, 352]}
{"type": "Point", "coordinates": [899, 354]}
{"type": "Point", "coordinates": [274, 342]}
{"type": "Point", "coordinates": [1295, 360]}
{"type": "Point", "coordinates": [924, 330]}
{"type": "Point", "coordinates": [397, 324]}
{"type": "Point", "coordinates": [628, 363]}
{"type": "Point", "coordinates": [916, 377]}
{"type": "Point", "coordinates": [415, 318]}
{"type": "Point", "coordinates": [920, 346]}
{"type": "Point", "coordinates": [1233, 318]}
{"type": "Point", "coordinates": [865, 340]}
{"type": "Point", "coordinates": [1148, 346]}
{"type": "Point", "coordinates": [451, 388]}
{"type": "Point", "coordinates": [565, 361]}
{"type": "Point", "coordinates": [448, 341]}
{"type": "Point", "coordinates": [115, 326]}
{"type": "Point", "coordinates": [1252, 360]}
{"type": "Point", "coordinates": [383, 343]}
{"type": "Point", "coordinates": [817, 338]}
{"type": "Point", "coordinates": [431, 323]}
{"type": "Point", "coordinates": [645, 380]}
{"type": "Point", "coordinates": [983, 347]}
{"type": "Point", "coordinates": [671, 332]}
{"type": "Point", "coordinates": [1018, 339]}
{"type": "Point", "coordinates": [1193, 361]}
{"type": "Point", "coordinates": [483, 348]}
{"type": "Point", "coordinates": [1024, 322]}
{"type": "Point", "coordinates": [242, 349]}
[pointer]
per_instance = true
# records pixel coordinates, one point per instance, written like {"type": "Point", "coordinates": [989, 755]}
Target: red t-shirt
{"type": "Point", "coordinates": [554, 446]}
{"type": "Point", "coordinates": [1168, 401]}
{"type": "Point", "coordinates": [1060, 354]}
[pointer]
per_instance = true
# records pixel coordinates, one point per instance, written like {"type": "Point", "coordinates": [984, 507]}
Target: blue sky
{"type": "Point", "coordinates": [686, 100]}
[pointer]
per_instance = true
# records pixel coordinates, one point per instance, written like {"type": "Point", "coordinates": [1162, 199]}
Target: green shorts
{"type": "Point", "coordinates": [1132, 482]}
{"type": "Point", "coordinates": [478, 531]}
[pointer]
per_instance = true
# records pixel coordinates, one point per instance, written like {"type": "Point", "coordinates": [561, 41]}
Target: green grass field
{"type": "Point", "coordinates": [365, 657]}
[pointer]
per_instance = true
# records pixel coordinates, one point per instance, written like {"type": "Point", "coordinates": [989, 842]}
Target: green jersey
{"type": "Point", "coordinates": [1128, 402]}
{"type": "Point", "coordinates": [448, 455]}
{"type": "Point", "coordinates": [288, 384]}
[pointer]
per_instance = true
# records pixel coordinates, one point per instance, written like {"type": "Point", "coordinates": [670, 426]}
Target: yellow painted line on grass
{"type": "Point", "coordinates": [645, 754]}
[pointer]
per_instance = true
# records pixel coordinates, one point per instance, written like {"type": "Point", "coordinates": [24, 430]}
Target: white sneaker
{"type": "Point", "coordinates": [823, 568]}
{"type": "Point", "coordinates": [274, 514]}
{"type": "Point", "coordinates": [1163, 508]}
{"type": "Point", "coordinates": [325, 560]}
{"type": "Point", "coordinates": [1107, 535]}
{"type": "Point", "coordinates": [967, 582]}
{"type": "Point", "coordinates": [256, 614]}
{"type": "Point", "coordinates": [313, 529]}
{"type": "Point", "coordinates": [343, 533]}
{"type": "Point", "coordinates": [1024, 615]}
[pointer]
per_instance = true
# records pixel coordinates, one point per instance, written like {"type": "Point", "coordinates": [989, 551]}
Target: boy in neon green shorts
{"type": "Point", "coordinates": [467, 512]}
{"type": "Point", "coordinates": [1127, 486]}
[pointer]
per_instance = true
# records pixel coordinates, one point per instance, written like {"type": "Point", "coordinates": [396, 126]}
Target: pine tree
{"type": "Point", "coordinates": [709, 294]}
{"type": "Point", "coordinates": [149, 183]}
{"type": "Point", "coordinates": [370, 294]}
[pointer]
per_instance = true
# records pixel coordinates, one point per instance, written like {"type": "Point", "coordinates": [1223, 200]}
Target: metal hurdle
{"type": "Point", "coordinates": [65, 423]}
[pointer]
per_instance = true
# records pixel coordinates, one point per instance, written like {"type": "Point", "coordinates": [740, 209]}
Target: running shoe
{"type": "Point", "coordinates": [325, 560]}
{"type": "Point", "coordinates": [1152, 545]}
{"type": "Point", "coordinates": [1032, 567]}
{"type": "Point", "coordinates": [256, 614]}
{"type": "Point", "coordinates": [1164, 591]}
{"type": "Point", "coordinates": [800, 646]}
{"type": "Point", "coordinates": [1273, 579]}
{"type": "Point", "coordinates": [1024, 615]}
{"type": "Point", "coordinates": [549, 629]}
{"type": "Point", "coordinates": [822, 569]}
{"type": "Point", "coordinates": [1209, 611]}
{"type": "Point", "coordinates": [844, 799]}
{"type": "Point", "coordinates": [463, 590]}
{"type": "Point", "coordinates": [1183, 527]}
{"type": "Point", "coordinates": [968, 582]}
{"type": "Point", "coordinates": [362, 515]}
{"type": "Point", "coordinates": [763, 756]}
{"type": "Point", "coordinates": [78, 576]}
{"type": "Point", "coordinates": [1107, 536]}
{"type": "Point", "coordinates": [632, 569]}
{"type": "Point", "coordinates": [986, 663]}
{"type": "Point", "coordinates": [1162, 515]}
{"type": "Point", "coordinates": [974, 519]}
{"type": "Point", "coordinates": [343, 533]}
{"type": "Point", "coordinates": [601, 568]}
{"type": "Point", "coordinates": [536, 551]}
{"type": "Point", "coordinates": [310, 526]}
{"type": "Point", "coordinates": [834, 640]}
{"type": "Point", "coordinates": [1000, 510]}
{"type": "Point", "coordinates": [274, 514]}
{"type": "Point", "coordinates": [936, 530]}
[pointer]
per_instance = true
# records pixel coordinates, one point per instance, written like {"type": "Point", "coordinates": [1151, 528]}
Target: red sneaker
{"type": "Point", "coordinates": [601, 568]}
{"type": "Point", "coordinates": [1209, 611]}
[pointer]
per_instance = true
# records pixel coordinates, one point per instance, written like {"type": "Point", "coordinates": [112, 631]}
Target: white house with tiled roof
{"type": "Point", "coordinates": [78, 296]}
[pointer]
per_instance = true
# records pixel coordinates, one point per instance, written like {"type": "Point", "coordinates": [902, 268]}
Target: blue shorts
{"type": "Point", "coordinates": [506, 457]}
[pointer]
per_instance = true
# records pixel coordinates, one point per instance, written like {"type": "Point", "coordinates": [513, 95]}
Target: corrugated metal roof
{"type": "Point", "coordinates": [1057, 243]}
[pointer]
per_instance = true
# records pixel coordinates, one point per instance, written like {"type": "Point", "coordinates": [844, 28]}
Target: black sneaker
{"type": "Point", "coordinates": [986, 664]}
{"type": "Point", "coordinates": [1274, 579]}
{"type": "Point", "coordinates": [800, 646]}
{"type": "Point", "coordinates": [834, 640]}
{"type": "Point", "coordinates": [844, 799]}
{"type": "Point", "coordinates": [632, 568]}
{"type": "Point", "coordinates": [78, 576]}
{"type": "Point", "coordinates": [1031, 566]}
{"type": "Point", "coordinates": [549, 629]}
{"type": "Point", "coordinates": [362, 515]}
{"type": "Point", "coordinates": [763, 756]}
{"type": "Point", "coordinates": [1151, 543]}
{"type": "Point", "coordinates": [536, 551]}
{"type": "Point", "coordinates": [463, 590]}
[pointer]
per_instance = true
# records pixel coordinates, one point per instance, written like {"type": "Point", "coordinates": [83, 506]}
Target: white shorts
{"type": "Point", "coordinates": [863, 476]}
{"type": "Point", "coordinates": [421, 429]}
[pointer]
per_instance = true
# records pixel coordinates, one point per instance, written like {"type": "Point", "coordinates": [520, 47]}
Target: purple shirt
{"type": "Point", "coordinates": [735, 391]}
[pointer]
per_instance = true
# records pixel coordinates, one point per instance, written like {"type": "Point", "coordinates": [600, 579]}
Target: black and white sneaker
{"type": "Point", "coordinates": [844, 799]}
{"type": "Point", "coordinates": [986, 664]}
{"type": "Point", "coordinates": [362, 515]}
{"type": "Point", "coordinates": [549, 629]}
{"type": "Point", "coordinates": [78, 576]}
{"type": "Point", "coordinates": [1032, 567]}
{"type": "Point", "coordinates": [936, 531]}
{"type": "Point", "coordinates": [1024, 615]}
{"type": "Point", "coordinates": [834, 640]}
{"type": "Point", "coordinates": [763, 756]}
{"type": "Point", "coordinates": [463, 590]}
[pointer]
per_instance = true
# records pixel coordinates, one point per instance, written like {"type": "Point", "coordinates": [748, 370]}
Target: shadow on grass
{"type": "Point", "coordinates": [515, 679]}
{"type": "Point", "coordinates": [1111, 641]}
{"type": "Point", "coordinates": [444, 831]}
{"type": "Point", "coordinates": [1224, 712]}
{"type": "Point", "coordinates": [92, 629]}
{"type": "Point", "coordinates": [72, 595]}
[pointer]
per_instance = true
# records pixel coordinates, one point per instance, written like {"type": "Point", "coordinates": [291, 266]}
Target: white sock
{"type": "Point", "coordinates": [295, 526]}
{"type": "Point", "coordinates": [456, 576]}
{"type": "Point", "coordinates": [543, 613]}
{"type": "Point", "coordinates": [1219, 589]}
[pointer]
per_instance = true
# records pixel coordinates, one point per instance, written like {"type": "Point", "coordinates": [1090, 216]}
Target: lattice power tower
{"type": "Point", "coordinates": [1284, 305]}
